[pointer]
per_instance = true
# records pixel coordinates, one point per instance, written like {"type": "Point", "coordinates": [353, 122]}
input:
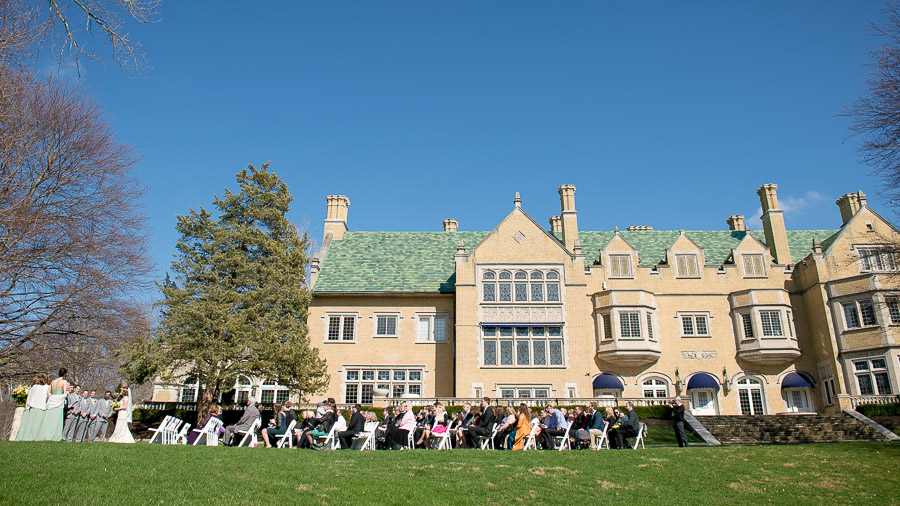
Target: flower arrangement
{"type": "Point", "coordinates": [19, 394]}
{"type": "Point", "coordinates": [115, 404]}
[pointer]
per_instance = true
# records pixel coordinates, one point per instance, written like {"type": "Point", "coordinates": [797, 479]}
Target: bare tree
{"type": "Point", "coordinates": [876, 115]}
{"type": "Point", "coordinates": [73, 251]}
{"type": "Point", "coordinates": [76, 29]}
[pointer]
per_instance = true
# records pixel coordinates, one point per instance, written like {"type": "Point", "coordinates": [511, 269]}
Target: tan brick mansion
{"type": "Point", "coordinates": [734, 321]}
{"type": "Point", "coordinates": [737, 321]}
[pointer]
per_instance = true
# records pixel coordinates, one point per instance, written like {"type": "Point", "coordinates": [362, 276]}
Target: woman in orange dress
{"type": "Point", "coordinates": [523, 427]}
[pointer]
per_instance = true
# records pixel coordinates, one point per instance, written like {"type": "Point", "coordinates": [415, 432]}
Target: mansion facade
{"type": "Point", "coordinates": [735, 321]}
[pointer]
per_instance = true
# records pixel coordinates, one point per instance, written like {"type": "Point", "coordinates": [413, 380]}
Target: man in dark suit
{"type": "Point", "coordinates": [357, 424]}
{"type": "Point", "coordinates": [485, 424]}
{"type": "Point", "coordinates": [628, 428]}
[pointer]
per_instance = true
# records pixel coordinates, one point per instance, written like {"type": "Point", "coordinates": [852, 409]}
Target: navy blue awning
{"type": "Point", "coordinates": [702, 380]}
{"type": "Point", "coordinates": [607, 382]}
{"type": "Point", "coordinates": [795, 380]}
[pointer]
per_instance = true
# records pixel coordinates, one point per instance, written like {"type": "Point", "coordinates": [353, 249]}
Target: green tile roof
{"type": "Point", "coordinates": [422, 262]}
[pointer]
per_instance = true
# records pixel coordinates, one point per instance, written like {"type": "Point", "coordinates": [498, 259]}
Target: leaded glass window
{"type": "Point", "coordinates": [522, 355]}
{"type": "Point", "coordinates": [506, 352]}
{"type": "Point", "coordinates": [521, 292]}
{"type": "Point", "coordinates": [522, 346]}
{"type": "Point", "coordinates": [556, 352]}
{"type": "Point", "coordinates": [490, 353]}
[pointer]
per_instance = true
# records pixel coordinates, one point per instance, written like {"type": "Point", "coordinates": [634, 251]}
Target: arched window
{"type": "Point", "coordinates": [273, 392]}
{"type": "Point", "coordinates": [750, 396]}
{"type": "Point", "coordinates": [489, 275]}
{"type": "Point", "coordinates": [655, 388]}
{"type": "Point", "coordinates": [489, 287]}
{"type": "Point", "coordinates": [521, 286]}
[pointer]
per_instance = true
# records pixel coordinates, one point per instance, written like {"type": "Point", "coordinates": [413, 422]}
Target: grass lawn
{"type": "Point", "coordinates": [104, 473]}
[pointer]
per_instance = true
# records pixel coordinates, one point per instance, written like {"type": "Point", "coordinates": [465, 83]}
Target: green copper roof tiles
{"type": "Point", "coordinates": [422, 262]}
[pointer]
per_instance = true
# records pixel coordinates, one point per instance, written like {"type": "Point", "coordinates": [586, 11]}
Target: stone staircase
{"type": "Point", "coordinates": [779, 429]}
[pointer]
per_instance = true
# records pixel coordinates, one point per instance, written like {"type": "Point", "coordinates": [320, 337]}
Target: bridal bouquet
{"type": "Point", "coordinates": [20, 394]}
{"type": "Point", "coordinates": [115, 404]}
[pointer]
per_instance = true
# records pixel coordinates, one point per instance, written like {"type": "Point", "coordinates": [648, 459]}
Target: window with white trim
{"type": "Point", "coordinates": [754, 265]}
{"type": "Point", "coordinates": [189, 389]}
{"type": "Point", "coordinates": [522, 346]}
{"type": "Point", "coordinates": [877, 259]}
{"type": "Point", "coordinates": [341, 327]}
{"type": "Point", "coordinates": [360, 382]}
{"type": "Point", "coordinates": [431, 328]}
{"type": "Point", "coordinates": [522, 285]}
{"type": "Point", "coordinates": [872, 376]}
{"type": "Point", "coordinates": [859, 313]}
{"type": "Point", "coordinates": [893, 305]}
{"type": "Point", "coordinates": [386, 325]}
{"type": "Point", "coordinates": [694, 325]}
{"type": "Point", "coordinates": [524, 391]}
{"type": "Point", "coordinates": [607, 327]}
{"type": "Point", "coordinates": [687, 266]}
{"type": "Point", "coordinates": [620, 266]}
{"type": "Point", "coordinates": [271, 392]}
{"type": "Point", "coordinates": [655, 388]}
{"type": "Point", "coordinates": [750, 396]}
{"type": "Point", "coordinates": [826, 376]}
{"type": "Point", "coordinates": [242, 389]}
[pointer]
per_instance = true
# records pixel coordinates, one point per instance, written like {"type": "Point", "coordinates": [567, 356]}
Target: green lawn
{"type": "Point", "coordinates": [104, 473]}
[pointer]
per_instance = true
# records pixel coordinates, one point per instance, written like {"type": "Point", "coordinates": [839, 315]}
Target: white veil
{"type": "Point", "coordinates": [130, 407]}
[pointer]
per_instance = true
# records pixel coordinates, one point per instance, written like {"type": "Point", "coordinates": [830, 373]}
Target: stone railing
{"type": "Point", "coordinates": [856, 400]}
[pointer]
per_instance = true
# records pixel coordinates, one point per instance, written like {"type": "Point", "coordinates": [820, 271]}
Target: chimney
{"type": "Point", "coordinates": [639, 228]}
{"type": "Point", "coordinates": [773, 224]}
{"type": "Point", "coordinates": [568, 215]}
{"type": "Point", "coordinates": [336, 216]}
{"type": "Point", "coordinates": [555, 224]}
{"type": "Point", "coordinates": [736, 222]}
{"type": "Point", "coordinates": [849, 204]}
{"type": "Point", "coordinates": [450, 225]}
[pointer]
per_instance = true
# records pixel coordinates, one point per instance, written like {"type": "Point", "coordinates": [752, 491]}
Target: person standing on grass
{"type": "Point", "coordinates": [629, 427]}
{"type": "Point", "coordinates": [84, 411]}
{"type": "Point", "coordinates": [678, 415]}
{"type": "Point", "coordinates": [71, 413]}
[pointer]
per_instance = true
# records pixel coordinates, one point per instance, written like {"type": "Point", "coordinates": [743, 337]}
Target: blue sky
{"type": "Point", "coordinates": [663, 113]}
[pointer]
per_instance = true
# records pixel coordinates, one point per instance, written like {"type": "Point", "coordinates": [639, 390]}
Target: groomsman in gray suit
{"type": "Point", "coordinates": [84, 408]}
{"type": "Point", "coordinates": [104, 412]}
{"type": "Point", "coordinates": [72, 413]}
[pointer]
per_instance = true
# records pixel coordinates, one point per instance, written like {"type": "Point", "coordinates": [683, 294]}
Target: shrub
{"type": "Point", "coordinates": [871, 410]}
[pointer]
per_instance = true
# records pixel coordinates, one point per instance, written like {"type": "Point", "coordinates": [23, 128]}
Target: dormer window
{"type": "Point", "coordinates": [620, 266]}
{"type": "Point", "coordinates": [754, 266]}
{"type": "Point", "coordinates": [520, 286]}
{"type": "Point", "coordinates": [687, 266]}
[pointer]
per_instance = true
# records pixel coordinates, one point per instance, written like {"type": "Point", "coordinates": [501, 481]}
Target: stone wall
{"type": "Point", "coordinates": [783, 429]}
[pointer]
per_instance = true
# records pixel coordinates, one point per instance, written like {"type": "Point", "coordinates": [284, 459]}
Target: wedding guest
{"type": "Point", "coordinates": [507, 426]}
{"type": "Point", "coordinates": [214, 412]}
{"type": "Point", "coordinates": [523, 426]}
{"type": "Point", "coordinates": [399, 432]}
{"type": "Point", "coordinates": [251, 413]}
{"type": "Point", "coordinates": [72, 414]}
{"type": "Point", "coordinates": [629, 427]}
{"type": "Point", "coordinates": [357, 424]}
{"type": "Point", "coordinates": [92, 418]}
{"type": "Point", "coordinates": [35, 408]}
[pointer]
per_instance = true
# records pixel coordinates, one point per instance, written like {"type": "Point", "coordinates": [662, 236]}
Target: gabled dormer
{"type": "Point", "coordinates": [619, 257]}
{"type": "Point", "coordinates": [686, 257]}
{"type": "Point", "coordinates": [752, 257]}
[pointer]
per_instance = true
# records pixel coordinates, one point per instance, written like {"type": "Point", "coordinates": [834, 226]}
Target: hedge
{"type": "Point", "coordinates": [871, 410]}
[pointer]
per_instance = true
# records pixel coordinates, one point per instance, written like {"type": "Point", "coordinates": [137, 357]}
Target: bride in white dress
{"type": "Point", "coordinates": [122, 434]}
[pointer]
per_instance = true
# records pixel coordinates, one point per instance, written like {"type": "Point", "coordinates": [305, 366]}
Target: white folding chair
{"type": "Point", "coordinates": [287, 437]}
{"type": "Point", "coordinates": [157, 432]}
{"type": "Point", "coordinates": [488, 441]}
{"type": "Point", "coordinates": [170, 433]}
{"type": "Point", "coordinates": [531, 438]}
{"type": "Point", "coordinates": [365, 440]}
{"type": "Point", "coordinates": [642, 429]}
{"type": "Point", "coordinates": [330, 442]}
{"type": "Point", "coordinates": [562, 442]}
{"type": "Point", "coordinates": [443, 440]}
{"type": "Point", "coordinates": [181, 437]}
{"type": "Point", "coordinates": [411, 440]}
{"type": "Point", "coordinates": [209, 433]}
{"type": "Point", "coordinates": [602, 440]}
{"type": "Point", "coordinates": [250, 433]}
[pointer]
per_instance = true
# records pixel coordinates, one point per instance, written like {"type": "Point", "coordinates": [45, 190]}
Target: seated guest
{"type": "Point", "coordinates": [214, 412]}
{"type": "Point", "coordinates": [251, 413]}
{"type": "Point", "coordinates": [485, 424]}
{"type": "Point", "coordinates": [321, 425]}
{"type": "Point", "coordinates": [507, 426]}
{"type": "Point", "coordinates": [613, 420]}
{"type": "Point", "coordinates": [398, 433]}
{"type": "Point", "coordinates": [274, 425]}
{"type": "Point", "coordinates": [523, 427]}
{"type": "Point", "coordinates": [466, 417]}
{"type": "Point", "coordinates": [357, 424]}
{"type": "Point", "coordinates": [382, 442]}
{"type": "Point", "coordinates": [284, 416]}
{"type": "Point", "coordinates": [555, 427]}
{"type": "Point", "coordinates": [628, 427]}
{"type": "Point", "coordinates": [578, 428]}
{"type": "Point", "coordinates": [595, 424]}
